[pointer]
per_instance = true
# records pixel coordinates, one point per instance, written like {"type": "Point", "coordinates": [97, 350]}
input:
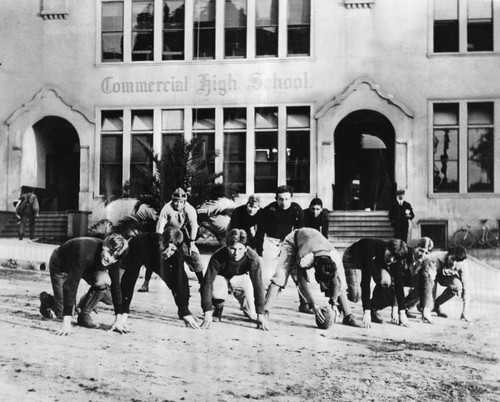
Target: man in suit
{"type": "Point", "coordinates": [400, 215]}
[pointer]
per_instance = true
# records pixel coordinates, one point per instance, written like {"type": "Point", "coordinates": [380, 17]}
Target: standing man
{"type": "Point", "coordinates": [381, 261]}
{"type": "Point", "coordinates": [237, 265]}
{"type": "Point", "coordinates": [179, 214]}
{"type": "Point", "coordinates": [400, 215]}
{"type": "Point", "coordinates": [94, 261]}
{"type": "Point", "coordinates": [279, 219]}
{"type": "Point", "coordinates": [27, 209]}
{"type": "Point", "coordinates": [249, 218]}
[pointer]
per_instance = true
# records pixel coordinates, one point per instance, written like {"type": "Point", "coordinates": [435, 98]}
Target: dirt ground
{"type": "Point", "coordinates": [164, 361]}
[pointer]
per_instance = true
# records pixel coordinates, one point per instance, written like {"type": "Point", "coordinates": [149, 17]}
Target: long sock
{"type": "Point", "coordinates": [272, 292]}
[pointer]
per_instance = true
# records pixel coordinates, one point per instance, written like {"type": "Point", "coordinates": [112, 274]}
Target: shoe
{"type": "Point", "coordinates": [426, 316]}
{"type": "Point", "coordinates": [84, 320]}
{"type": "Point", "coordinates": [304, 308]}
{"type": "Point", "coordinates": [440, 313]}
{"type": "Point", "coordinates": [376, 318]}
{"type": "Point", "coordinates": [411, 313]}
{"type": "Point", "coordinates": [144, 288]}
{"type": "Point", "coordinates": [44, 309]}
{"type": "Point", "coordinates": [351, 322]}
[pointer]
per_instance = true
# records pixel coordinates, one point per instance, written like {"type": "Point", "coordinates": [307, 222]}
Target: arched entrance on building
{"type": "Point", "coordinates": [364, 162]}
{"type": "Point", "coordinates": [58, 161]}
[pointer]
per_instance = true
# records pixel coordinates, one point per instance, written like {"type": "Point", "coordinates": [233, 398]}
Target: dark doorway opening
{"type": "Point", "coordinates": [58, 146]}
{"type": "Point", "coordinates": [364, 162]}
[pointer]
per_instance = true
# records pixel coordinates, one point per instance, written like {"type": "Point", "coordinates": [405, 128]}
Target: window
{"type": "Point", "coordinates": [266, 150]}
{"type": "Point", "coordinates": [463, 26]}
{"type": "Point", "coordinates": [173, 29]}
{"type": "Point", "coordinates": [110, 182]}
{"type": "Point", "coordinates": [112, 31]}
{"type": "Point", "coordinates": [446, 147]}
{"type": "Point", "coordinates": [142, 30]}
{"type": "Point", "coordinates": [480, 145]}
{"type": "Point", "coordinates": [204, 128]}
{"type": "Point", "coordinates": [142, 139]}
{"type": "Point", "coordinates": [172, 129]}
{"type": "Point", "coordinates": [437, 231]}
{"type": "Point", "coordinates": [266, 25]}
{"type": "Point", "coordinates": [235, 28]}
{"type": "Point", "coordinates": [235, 139]}
{"type": "Point", "coordinates": [297, 148]}
{"type": "Point", "coordinates": [204, 29]}
{"type": "Point", "coordinates": [479, 26]}
{"type": "Point", "coordinates": [299, 27]}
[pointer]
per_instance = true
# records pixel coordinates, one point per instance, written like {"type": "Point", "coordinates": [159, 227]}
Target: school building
{"type": "Point", "coordinates": [342, 99]}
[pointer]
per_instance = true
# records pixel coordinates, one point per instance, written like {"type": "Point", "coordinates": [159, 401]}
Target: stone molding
{"type": "Point", "coordinates": [359, 3]}
{"type": "Point", "coordinates": [54, 9]}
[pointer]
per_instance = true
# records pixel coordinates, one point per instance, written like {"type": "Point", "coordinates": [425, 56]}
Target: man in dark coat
{"type": "Point", "coordinates": [400, 215]}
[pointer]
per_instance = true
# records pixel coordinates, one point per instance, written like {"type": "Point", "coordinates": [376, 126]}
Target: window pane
{"type": "Point", "coordinates": [479, 9]}
{"type": "Point", "coordinates": [297, 117]}
{"type": "Point", "coordinates": [445, 176]}
{"type": "Point", "coordinates": [297, 160]}
{"type": "Point", "coordinates": [235, 159]}
{"type": "Point", "coordinates": [299, 41]}
{"type": "Point", "coordinates": [112, 46]}
{"type": "Point", "coordinates": [480, 177]}
{"type": "Point", "coordinates": [112, 120]}
{"type": "Point", "coordinates": [204, 29]}
{"type": "Point", "coordinates": [235, 119]}
{"type": "Point", "coordinates": [173, 29]}
{"type": "Point", "coordinates": [446, 114]}
{"type": "Point", "coordinates": [139, 154]}
{"type": "Point", "coordinates": [142, 30]}
{"type": "Point", "coordinates": [266, 161]}
{"type": "Point", "coordinates": [266, 117]}
{"type": "Point", "coordinates": [480, 113]}
{"type": "Point", "coordinates": [235, 13]}
{"type": "Point", "coordinates": [142, 120]}
{"type": "Point", "coordinates": [480, 35]}
{"type": "Point", "coordinates": [111, 149]}
{"type": "Point", "coordinates": [112, 16]}
{"type": "Point", "coordinates": [168, 141]}
{"type": "Point", "coordinates": [299, 12]}
{"type": "Point", "coordinates": [110, 182]}
{"type": "Point", "coordinates": [445, 10]}
{"type": "Point", "coordinates": [203, 119]}
{"type": "Point", "coordinates": [172, 120]}
{"type": "Point", "coordinates": [445, 36]}
{"type": "Point", "coordinates": [267, 12]}
{"type": "Point", "coordinates": [480, 172]}
{"type": "Point", "coordinates": [112, 31]}
{"type": "Point", "coordinates": [445, 144]}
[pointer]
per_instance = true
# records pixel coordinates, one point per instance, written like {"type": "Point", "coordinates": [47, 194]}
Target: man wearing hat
{"type": "Point", "coordinates": [400, 215]}
{"type": "Point", "coordinates": [180, 214]}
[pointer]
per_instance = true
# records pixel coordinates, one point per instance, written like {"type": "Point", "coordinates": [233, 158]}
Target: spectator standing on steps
{"type": "Point", "coordinates": [27, 209]}
{"type": "Point", "coordinates": [400, 215]}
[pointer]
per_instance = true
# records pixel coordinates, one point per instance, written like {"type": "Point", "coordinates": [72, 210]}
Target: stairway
{"type": "Point", "coordinates": [347, 227]}
{"type": "Point", "coordinates": [50, 226]}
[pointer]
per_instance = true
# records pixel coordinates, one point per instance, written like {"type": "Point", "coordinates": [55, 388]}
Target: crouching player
{"type": "Point", "coordinates": [238, 265]}
{"type": "Point", "coordinates": [303, 249]}
{"type": "Point", "coordinates": [94, 261]}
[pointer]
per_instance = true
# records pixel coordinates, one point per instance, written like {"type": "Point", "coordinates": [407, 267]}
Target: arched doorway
{"type": "Point", "coordinates": [58, 156]}
{"type": "Point", "coordinates": [364, 161]}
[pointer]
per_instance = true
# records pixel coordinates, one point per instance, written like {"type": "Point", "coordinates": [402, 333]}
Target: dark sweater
{"type": "Point", "coordinates": [240, 219]}
{"type": "Point", "coordinates": [369, 257]}
{"type": "Point", "coordinates": [278, 222]}
{"type": "Point", "coordinates": [319, 223]}
{"type": "Point", "coordinates": [144, 249]}
{"type": "Point", "coordinates": [221, 264]}
{"type": "Point", "coordinates": [79, 258]}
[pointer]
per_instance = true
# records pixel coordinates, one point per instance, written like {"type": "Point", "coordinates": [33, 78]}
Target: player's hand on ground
{"type": "Point", "coordinates": [394, 316]}
{"type": "Point", "coordinates": [465, 317]}
{"type": "Point", "coordinates": [191, 322]}
{"type": "Point", "coordinates": [367, 319]}
{"type": "Point", "coordinates": [120, 324]}
{"type": "Point", "coordinates": [320, 317]}
{"type": "Point", "coordinates": [207, 320]}
{"type": "Point", "coordinates": [262, 322]}
{"type": "Point", "coordinates": [403, 319]}
{"type": "Point", "coordinates": [66, 326]}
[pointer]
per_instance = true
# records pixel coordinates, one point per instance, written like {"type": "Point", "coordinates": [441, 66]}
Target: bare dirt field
{"type": "Point", "coordinates": [164, 361]}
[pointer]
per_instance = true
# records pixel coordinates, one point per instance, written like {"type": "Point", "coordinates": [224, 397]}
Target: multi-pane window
{"type": "Point", "coordinates": [445, 151]}
{"type": "Point", "coordinates": [446, 26]}
{"type": "Point", "coordinates": [479, 25]}
{"type": "Point", "coordinates": [142, 30]}
{"type": "Point", "coordinates": [235, 28]}
{"type": "Point", "coordinates": [172, 129]}
{"type": "Point", "coordinates": [463, 26]}
{"type": "Point", "coordinates": [480, 146]}
{"type": "Point", "coordinates": [298, 133]}
{"type": "Point", "coordinates": [266, 28]}
{"type": "Point", "coordinates": [235, 138]}
{"type": "Point", "coordinates": [266, 150]}
{"type": "Point", "coordinates": [112, 31]}
{"type": "Point", "coordinates": [173, 29]}
{"type": "Point", "coordinates": [299, 27]}
{"type": "Point", "coordinates": [141, 142]}
{"type": "Point", "coordinates": [204, 29]}
{"type": "Point", "coordinates": [111, 153]}
{"type": "Point", "coordinates": [204, 128]}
